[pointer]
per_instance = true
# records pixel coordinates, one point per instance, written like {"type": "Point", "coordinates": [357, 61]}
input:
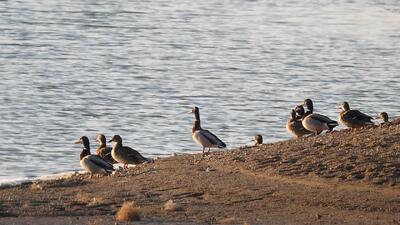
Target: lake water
{"type": "Point", "coordinates": [134, 68]}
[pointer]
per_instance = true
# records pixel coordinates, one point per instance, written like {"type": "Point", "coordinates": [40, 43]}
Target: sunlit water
{"type": "Point", "coordinates": [134, 68]}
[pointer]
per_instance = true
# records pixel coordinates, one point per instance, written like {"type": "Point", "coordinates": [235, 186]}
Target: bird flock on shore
{"type": "Point", "coordinates": [302, 122]}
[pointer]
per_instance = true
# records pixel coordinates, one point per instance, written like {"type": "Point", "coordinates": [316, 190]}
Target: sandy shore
{"type": "Point", "coordinates": [338, 178]}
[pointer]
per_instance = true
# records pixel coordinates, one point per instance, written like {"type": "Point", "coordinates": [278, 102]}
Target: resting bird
{"type": "Point", "coordinates": [102, 150]}
{"type": "Point", "coordinates": [93, 164]}
{"type": "Point", "coordinates": [125, 154]}
{"type": "Point", "coordinates": [315, 122]}
{"type": "Point", "coordinates": [294, 125]}
{"type": "Point", "coordinates": [353, 118]}
{"type": "Point", "coordinates": [258, 140]}
{"type": "Point", "coordinates": [384, 117]}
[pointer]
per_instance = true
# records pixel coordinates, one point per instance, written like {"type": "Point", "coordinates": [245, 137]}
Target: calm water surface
{"type": "Point", "coordinates": [134, 68]}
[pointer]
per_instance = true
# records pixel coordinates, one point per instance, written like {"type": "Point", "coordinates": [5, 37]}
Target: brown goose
{"type": "Point", "coordinates": [258, 140]}
{"type": "Point", "coordinates": [315, 122]}
{"type": "Point", "coordinates": [102, 150]}
{"type": "Point", "coordinates": [353, 118]}
{"type": "Point", "coordinates": [204, 137]}
{"type": "Point", "coordinates": [383, 116]}
{"type": "Point", "coordinates": [93, 164]}
{"type": "Point", "coordinates": [294, 125]}
{"type": "Point", "coordinates": [125, 154]}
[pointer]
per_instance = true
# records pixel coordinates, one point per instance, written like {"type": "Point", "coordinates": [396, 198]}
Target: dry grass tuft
{"type": "Point", "coordinates": [229, 220]}
{"type": "Point", "coordinates": [170, 205]}
{"type": "Point", "coordinates": [128, 212]}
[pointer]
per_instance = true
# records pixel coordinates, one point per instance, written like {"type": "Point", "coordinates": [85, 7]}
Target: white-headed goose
{"type": "Point", "coordinates": [315, 122]}
{"type": "Point", "coordinates": [125, 154]}
{"type": "Point", "coordinates": [353, 118]}
{"type": "Point", "coordinates": [93, 164]}
{"type": "Point", "coordinates": [294, 125]}
{"type": "Point", "coordinates": [102, 150]}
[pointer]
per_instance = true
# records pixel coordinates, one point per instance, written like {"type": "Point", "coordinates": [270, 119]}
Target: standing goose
{"type": "Point", "coordinates": [93, 164]}
{"type": "Point", "coordinates": [294, 125]}
{"type": "Point", "coordinates": [353, 118]}
{"type": "Point", "coordinates": [315, 122]}
{"type": "Point", "coordinates": [125, 154]}
{"type": "Point", "coordinates": [102, 150]}
{"type": "Point", "coordinates": [204, 137]}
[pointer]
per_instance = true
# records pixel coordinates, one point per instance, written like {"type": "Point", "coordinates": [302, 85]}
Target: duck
{"type": "Point", "coordinates": [258, 140]}
{"type": "Point", "coordinates": [315, 122]}
{"type": "Point", "coordinates": [204, 137]}
{"type": "Point", "coordinates": [353, 118]}
{"type": "Point", "coordinates": [103, 150]}
{"type": "Point", "coordinates": [124, 154]}
{"type": "Point", "coordinates": [383, 116]}
{"type": "Point", "coordinates": [294, 125]}
{"type": "Point", "coordinates": [93, 164]}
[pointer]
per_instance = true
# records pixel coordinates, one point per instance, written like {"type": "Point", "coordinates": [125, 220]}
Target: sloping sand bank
{"type": "Point", "coordinates": [338, 178]}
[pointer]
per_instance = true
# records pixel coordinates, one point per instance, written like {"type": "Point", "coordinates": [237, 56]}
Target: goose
{"type": "Point", "coordinates": [205, 138]}
{"type": "Point", "coordinates": [102, 150]}
{"type": "Point", "coordinates": [383, 116]}
{"type": "Point", "coordinates": [125, 154]}
{"type": "Point", "coordinates": [315, 122]}
{"type": "Point", "coordinates": [294, 125]}
{"type": "Point", "coordinates": [353, 118]}
{"type": "Point", "coordinates": [93, 164]}
{"type": "Point", "coordinates": [258, 140]}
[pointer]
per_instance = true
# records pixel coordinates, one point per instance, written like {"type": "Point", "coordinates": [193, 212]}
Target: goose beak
{"type": "Point", "coordinates": [191, 111]}
{"type": "Point", "coordinates": [78, 142]}
{"type": "Point", "coordinates": [109, 141]}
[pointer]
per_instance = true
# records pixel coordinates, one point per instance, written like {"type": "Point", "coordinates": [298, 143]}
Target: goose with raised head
{"type": "Point", "coordinates": [205, 138]}
{"type": "Point", "coordinates": [353, 118]}
{"type": "Point", "coordinates": [294, 125]}
{"type": "Point", "coordinates": [315, 122]}
{"type": "Point", "coordinates": [93, 164]}
{"type": "Point", "coordinates": [103, 150]}
{"type": "Point", "coordinates": [124, 154]}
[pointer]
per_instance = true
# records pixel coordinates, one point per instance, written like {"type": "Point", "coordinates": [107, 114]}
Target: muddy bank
{"type": "Point", "coordinates": [342, 177]}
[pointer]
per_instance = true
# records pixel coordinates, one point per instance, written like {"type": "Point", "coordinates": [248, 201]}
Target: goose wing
{"type": "Point", "coordinates": [355, 116]}
{"type": "Point", "coordinates": [322, 118]}
{"type": "Point", "coordinates": [214, 140]}
{"type": "Point", "coordinates": [134, 155]}
{"type": "Point", "coordinates": [100, 162]}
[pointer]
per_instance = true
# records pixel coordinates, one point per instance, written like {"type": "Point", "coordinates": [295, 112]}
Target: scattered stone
{"type": "Point", "coordinates": [170, 206]}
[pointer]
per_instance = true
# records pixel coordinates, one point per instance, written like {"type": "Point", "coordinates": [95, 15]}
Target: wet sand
{"type": "Point", "coordinates": [342, 177]}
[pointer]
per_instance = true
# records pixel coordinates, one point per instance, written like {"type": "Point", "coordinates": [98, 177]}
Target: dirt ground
{"type": "Point", "coordinates": [342, 177]}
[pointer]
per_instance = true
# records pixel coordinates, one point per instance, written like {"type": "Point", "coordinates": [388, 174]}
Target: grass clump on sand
{"type": "Point", "coordinates": [128, 212]}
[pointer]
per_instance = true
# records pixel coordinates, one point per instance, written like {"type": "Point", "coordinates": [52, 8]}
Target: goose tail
{"type": "Point", "coordinates": [332, 124]}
